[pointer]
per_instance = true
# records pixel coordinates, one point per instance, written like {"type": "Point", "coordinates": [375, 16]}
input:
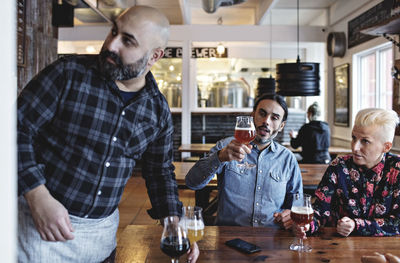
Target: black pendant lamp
{"type": "Point", "coordinates": [300, 78]}
{"type": "Point", "coordinates": [267, 85]}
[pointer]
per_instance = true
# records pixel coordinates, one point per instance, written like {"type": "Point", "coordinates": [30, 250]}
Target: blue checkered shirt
{"type": "Point", "coordinates": [78, 137]}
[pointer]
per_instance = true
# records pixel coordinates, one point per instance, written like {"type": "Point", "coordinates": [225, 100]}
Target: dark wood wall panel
{"type": "Point", "coordinates": [40, 40]}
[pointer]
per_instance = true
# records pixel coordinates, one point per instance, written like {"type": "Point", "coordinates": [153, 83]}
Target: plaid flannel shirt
{"type": "Point", "coordinates": [78, 137]}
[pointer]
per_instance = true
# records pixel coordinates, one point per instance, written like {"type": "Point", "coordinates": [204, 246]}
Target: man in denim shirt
{"type": "Point", "coordinates": [259, 196]}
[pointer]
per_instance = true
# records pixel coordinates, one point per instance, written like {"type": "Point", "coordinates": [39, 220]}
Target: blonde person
{"type": "Point", "coordinates": [360, 193]}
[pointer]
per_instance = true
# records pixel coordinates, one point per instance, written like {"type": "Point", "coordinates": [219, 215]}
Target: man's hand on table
{"type": "Point", "coordinates": [379, 258]}
{"type": "Point", "coordinates": [283, 219]}
{"type": "Point", "coordinates": [193, 253]}
{"type": "Point", "coordinates": [50, 216]}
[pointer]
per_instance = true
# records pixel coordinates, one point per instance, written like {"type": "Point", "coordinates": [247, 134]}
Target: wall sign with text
{"type": "Point", "coordinates": [197, 52]}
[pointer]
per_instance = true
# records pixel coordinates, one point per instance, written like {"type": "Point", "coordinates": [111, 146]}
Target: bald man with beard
{"type": "Point", "coordinates": [83, 123]}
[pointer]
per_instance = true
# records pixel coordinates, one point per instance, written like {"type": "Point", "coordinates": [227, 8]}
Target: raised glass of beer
{"type": "Point", "coordinates": [193, 221]}
{"type": "Point", "coordinates": [245, 132]}
{"type": "Point", "coordinates": [302, 214]}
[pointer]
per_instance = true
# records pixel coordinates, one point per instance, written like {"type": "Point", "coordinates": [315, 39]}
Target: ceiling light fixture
{"type": "Point", "coordinates": [298, 79]}
{"type": "Point", "coordinates": [220, 49]}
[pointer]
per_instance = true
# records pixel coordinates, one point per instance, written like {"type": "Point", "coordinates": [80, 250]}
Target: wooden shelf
{"type": "Point", "coordinates": [389, 26]}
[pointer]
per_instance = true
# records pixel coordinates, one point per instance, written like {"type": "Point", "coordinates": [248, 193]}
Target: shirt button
{"type": "Point", "coordinates": [123, 113]}
{"type": "Point", "coordinates": [114, 139]}
{"type": "Point", "coordinates": [256, 203]}
{"type": "Point", "coordinates": [255, 220]}
{"type": "Point", "coordinates": [259, 188]}
{"type": "Point", "coordinates": [99, 192]}
{"type": "Point", "coordinates": [260, 171]}
{"type": "Point", "coordinates": [107, 164]}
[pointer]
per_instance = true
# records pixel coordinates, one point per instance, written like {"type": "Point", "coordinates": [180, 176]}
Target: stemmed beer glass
{"type": "Point", "coordinates": [174, 241]}
{"type": "Point", "coordinates": [245, 132]}
{"type": "Point", "coordinates": [193, 221]}
{"type": "Point", "coordinates": [302, 214]}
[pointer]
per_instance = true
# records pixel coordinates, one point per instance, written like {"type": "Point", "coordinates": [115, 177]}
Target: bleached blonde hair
{"type": "Point", "coordinates": [387, 120]}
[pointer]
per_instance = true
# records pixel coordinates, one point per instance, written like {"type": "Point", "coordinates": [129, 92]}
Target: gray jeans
{"type": "Point", "coordinates": [94, 239]}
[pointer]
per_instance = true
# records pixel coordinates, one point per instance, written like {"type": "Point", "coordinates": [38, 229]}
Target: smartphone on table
{"type": "Point", "coordinates": [243, 246]}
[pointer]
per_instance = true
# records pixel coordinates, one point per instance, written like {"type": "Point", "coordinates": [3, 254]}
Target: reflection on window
{"type": "Point", "coordinates": [375, 88]}
{"type": "Point", "coordinates": [168, 74]}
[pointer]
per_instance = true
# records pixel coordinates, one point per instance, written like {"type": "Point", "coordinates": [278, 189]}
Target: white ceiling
{"type": "Point", "coordinates": [180, 12]}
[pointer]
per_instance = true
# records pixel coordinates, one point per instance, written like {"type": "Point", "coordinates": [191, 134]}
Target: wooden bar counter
{"type": "Point", "coordinates": [140, 243]}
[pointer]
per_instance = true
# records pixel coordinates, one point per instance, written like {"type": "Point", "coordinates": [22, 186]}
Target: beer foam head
{"type": "Point", "coordinates": [194, 224]}
{"type": "Point", "coordinates": [302, 210]}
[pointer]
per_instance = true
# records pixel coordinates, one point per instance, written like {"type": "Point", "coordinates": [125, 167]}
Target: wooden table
{"type": "Point", "coordinates": [311, 173]}
{"type": "Point", "coordinates": [139, 243]}
{"type": "Point", "coordinates": [333, 150]}
{"type": "Point", "coordinates": [205, 148]}
{"type": "Point", "coordinates": [196, 147]}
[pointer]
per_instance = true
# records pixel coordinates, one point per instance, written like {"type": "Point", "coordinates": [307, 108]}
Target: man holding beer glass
{"type": "Point", "coordinates": [360, 193]}
{"type": "Point", "coordinates": [260, 196]}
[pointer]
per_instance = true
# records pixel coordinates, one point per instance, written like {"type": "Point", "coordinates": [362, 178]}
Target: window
{"type": "Point", "coordinates": [373, 78]}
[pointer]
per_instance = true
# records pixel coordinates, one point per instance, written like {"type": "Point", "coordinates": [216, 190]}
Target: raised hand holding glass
{"type": "Point", "coordinates": [245, 132]}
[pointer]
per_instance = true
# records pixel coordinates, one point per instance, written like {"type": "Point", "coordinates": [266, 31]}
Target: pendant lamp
{"type": "Point", "coordinates": [267, 85]}
{"type": "Point", "coordinates": [300, 78]}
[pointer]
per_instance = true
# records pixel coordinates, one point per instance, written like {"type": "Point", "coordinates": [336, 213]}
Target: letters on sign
{"type": "Point", "coordinates": [197, 52]}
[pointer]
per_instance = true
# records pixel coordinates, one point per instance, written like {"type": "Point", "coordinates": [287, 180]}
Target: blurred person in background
{"type": "Point", "coordinates": [314, 138]}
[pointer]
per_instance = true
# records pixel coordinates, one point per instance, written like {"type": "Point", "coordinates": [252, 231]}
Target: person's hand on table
{"type": "Point", "coordinates": [379, 258]}
{"type": "Point", "coordinates": [300, 231]}
{"type": "Point", "coordinates": [283, 219]}
{"type": "Point", "coordinates": [234, 151]}
{"type": "Point", "coordinates": [51, 218]}
{"type": "Point", "coordinates": [193, 253]}
{"type": "Point", "coordinates": [345, 226]}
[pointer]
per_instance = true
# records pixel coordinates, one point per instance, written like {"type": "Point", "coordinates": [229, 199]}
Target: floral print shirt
{"type": "Point", "coordinates": [371, 197]}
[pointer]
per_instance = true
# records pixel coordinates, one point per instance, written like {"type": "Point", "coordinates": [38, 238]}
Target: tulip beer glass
{"type": "Point", "coordinates": [245, 132]}
{"type": "Point", "coordinates": [302, 214]}
{"type": "Point", "coordinates": [174, 241]}
{"type": "Point", "coordinates": [193, 221]}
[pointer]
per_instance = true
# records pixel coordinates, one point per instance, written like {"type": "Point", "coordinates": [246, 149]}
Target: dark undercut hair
{"type": "Point", "coordinates": [279, 99]}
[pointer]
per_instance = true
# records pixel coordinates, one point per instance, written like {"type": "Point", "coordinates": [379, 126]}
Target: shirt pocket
{"type": "Point", "coordinates": [276, 184]}
{"type": "Point", "coordinates": [238, 180]}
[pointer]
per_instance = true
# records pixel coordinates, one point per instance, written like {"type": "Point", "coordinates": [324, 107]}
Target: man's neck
{"type": "Point", "coordinates": [262, 146]}
{"type": "Point", "coordinates": [131, 85]}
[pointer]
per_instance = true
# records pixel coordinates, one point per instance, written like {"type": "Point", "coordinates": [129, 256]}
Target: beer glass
{"type": "Point", "coordinates": [193, 221]}
{"type": "Point", "coordinates": [174, 241]}
{"type": "Point", "coordinates": [302, 214]}
{"type": "Point", "coordinates": [245, 132]}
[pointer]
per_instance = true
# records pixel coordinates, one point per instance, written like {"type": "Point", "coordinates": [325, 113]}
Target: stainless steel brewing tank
{"type": "Point", "coordinates": [228, 94]}
{"type": "Point", "coordinates": [173, 94]}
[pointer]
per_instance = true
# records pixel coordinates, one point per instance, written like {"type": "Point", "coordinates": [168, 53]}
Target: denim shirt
{"type": "Point", "coordinates": [250, 196]}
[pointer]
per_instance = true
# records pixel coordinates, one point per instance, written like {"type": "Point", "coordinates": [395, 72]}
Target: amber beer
{"type": "Point", "coordinates": [195, 230]}
{"type": "Point", "coordinates": [245, 135]}
{"type": "Point", "coordinates": [301, 215]}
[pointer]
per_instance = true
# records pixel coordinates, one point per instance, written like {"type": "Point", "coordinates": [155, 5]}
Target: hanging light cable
{"type": "Point", "coordinates": [298, 79]}
{"type": "Point", "coordinates": [267, 85]}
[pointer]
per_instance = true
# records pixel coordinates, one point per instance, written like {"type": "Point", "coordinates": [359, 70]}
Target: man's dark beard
{"type": "Point", "coordinates": [270, 139]}
{"type": "Point", "coordinates": [119, 71]}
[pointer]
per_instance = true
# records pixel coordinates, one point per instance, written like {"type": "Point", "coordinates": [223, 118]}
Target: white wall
{"type": "Point", "coordinates": [8, 219]}
{"type": "Point", "coordinates": [340, 14]}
